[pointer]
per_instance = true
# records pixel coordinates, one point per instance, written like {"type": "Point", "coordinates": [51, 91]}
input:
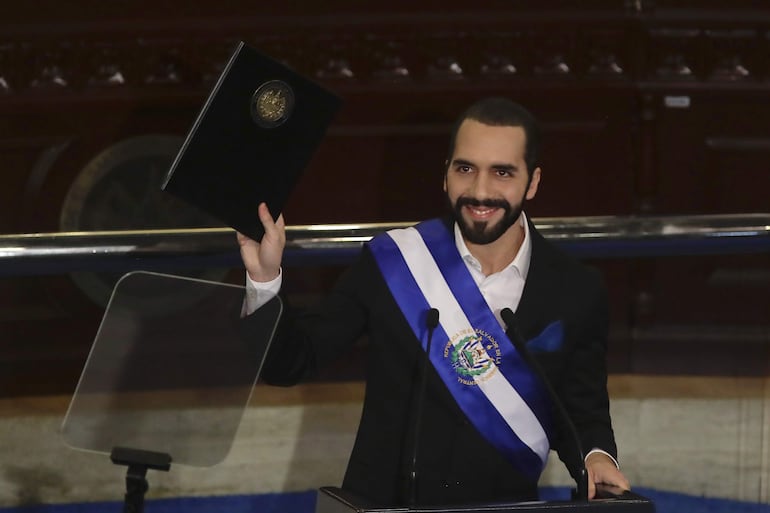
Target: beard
{"type": "Point", "coordinates": [481, 232]}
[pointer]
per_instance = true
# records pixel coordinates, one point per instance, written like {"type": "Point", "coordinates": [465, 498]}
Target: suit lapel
{"type": "Point", "coordinates": [540, 288]}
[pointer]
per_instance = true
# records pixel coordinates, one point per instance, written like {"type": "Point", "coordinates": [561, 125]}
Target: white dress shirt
{"type": "Point", "coordinates": [502, 289]}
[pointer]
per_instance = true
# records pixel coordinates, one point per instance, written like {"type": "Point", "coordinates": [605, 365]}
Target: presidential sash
{"type": "Point", "coordinates": [491, 383]}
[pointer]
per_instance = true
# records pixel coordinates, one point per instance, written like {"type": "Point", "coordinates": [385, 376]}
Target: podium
{"type": "Point", "coordinates": [337, 500]}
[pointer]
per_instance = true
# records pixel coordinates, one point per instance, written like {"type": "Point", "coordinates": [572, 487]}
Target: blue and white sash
{"type": "Point", "coordinates": [491, 383]}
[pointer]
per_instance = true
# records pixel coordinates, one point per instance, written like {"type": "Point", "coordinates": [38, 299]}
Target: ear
{"type": "Point", "coordinates": [533, 184]}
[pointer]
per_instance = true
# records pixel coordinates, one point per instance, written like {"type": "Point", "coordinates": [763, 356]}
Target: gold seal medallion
{"type": "Point", "coordinates": [272, 104]}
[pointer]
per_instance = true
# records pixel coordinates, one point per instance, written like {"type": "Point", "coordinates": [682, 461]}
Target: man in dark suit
{"type": "Point", "coordinates": [488, 423]}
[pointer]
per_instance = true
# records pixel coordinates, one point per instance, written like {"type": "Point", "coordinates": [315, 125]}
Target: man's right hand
{"type": "Point", "coordinates": [263, 259]}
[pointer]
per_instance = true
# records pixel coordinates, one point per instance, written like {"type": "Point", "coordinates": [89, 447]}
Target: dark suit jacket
{"type": "Point", "coordinates": [455, 463]}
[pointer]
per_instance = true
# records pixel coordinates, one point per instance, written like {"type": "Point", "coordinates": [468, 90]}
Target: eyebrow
{"type": "Point", "coordinates": [505, 167]}
{"type": "Point", "coordinates": [497, 167]}
{"type": "Point", "coordinates": [462, 162]}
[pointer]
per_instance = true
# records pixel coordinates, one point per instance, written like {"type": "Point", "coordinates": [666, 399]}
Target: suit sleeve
{"type": "Point", "coordinates": [584, 389]}
{"type": "Point", "coordinates": [309, 339]}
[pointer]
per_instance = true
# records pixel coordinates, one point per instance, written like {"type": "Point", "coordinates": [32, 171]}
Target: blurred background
{"type": "Point", "coordinates": [649, 108]}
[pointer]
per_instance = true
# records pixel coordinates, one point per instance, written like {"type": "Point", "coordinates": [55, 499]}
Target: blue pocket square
{"type": "Point", "coordinates": [550, 340]}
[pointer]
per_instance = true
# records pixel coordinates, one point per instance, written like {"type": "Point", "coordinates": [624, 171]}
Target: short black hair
{"type": "Point", "coordinates": [499, 111]}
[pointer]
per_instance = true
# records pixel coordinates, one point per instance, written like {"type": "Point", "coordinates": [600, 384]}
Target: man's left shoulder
{"type": "Point", "coordinates": [567, 264]}
{"type": "Point", "coordinates": [552, 251]}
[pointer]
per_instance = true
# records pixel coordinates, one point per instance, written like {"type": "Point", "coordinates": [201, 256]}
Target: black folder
{"type": "Point", "coordinates": [251, 140]}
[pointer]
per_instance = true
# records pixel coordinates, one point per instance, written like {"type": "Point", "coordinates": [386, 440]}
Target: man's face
{"type": "Point", "coordinates": [487, 181]}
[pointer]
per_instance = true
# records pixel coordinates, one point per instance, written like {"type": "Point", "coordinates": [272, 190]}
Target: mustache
{"type": "Point", "coordinates": [475, 202]}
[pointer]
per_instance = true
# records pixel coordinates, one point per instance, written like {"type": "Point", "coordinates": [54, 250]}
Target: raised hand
{"type": "Point", "coordinates": [263, 259]}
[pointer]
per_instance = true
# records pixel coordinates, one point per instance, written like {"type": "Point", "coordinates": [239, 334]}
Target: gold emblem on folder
{"type": "Point", "coordinates": [272, 104]}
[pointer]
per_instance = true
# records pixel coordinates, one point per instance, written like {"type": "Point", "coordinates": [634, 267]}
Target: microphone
{"type": "Point", "coordinates": [521, 346]}
{"type": "Point", "coordinates": [431, 322]}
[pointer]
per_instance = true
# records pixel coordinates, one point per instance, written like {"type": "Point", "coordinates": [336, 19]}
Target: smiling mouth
{"type": "Point", "coordinates": [481, 212]}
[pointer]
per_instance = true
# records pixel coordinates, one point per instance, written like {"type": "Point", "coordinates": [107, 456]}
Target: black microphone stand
{"type": "Point", "coordinates": [581, 493]}
{"type": "Point", "coordinates": [431, 322]}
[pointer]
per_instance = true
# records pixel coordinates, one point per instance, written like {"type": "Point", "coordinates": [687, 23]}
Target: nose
{"type": "Point", "coordinates": [481, 186]}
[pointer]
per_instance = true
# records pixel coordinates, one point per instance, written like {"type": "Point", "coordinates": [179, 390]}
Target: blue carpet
{"type": "Point", "coordinates": [304, 502]}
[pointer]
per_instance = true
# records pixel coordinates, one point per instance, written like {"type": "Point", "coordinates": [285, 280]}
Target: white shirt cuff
{"type": "Point", "coordinates": [606, 454]}
{"type": "Point", "coordinates": [258, 293]}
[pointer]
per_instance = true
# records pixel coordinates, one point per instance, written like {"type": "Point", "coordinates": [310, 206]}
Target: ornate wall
{"type": "Point", "coordinates": [648, 107]}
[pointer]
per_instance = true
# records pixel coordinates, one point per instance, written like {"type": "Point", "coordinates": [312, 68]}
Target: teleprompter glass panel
{"type": "Point", "coordinates": [171, 369]}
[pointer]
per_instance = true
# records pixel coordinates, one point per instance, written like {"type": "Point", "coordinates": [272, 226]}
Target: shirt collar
{"type": "Point", "coordinates": [520, 263]}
